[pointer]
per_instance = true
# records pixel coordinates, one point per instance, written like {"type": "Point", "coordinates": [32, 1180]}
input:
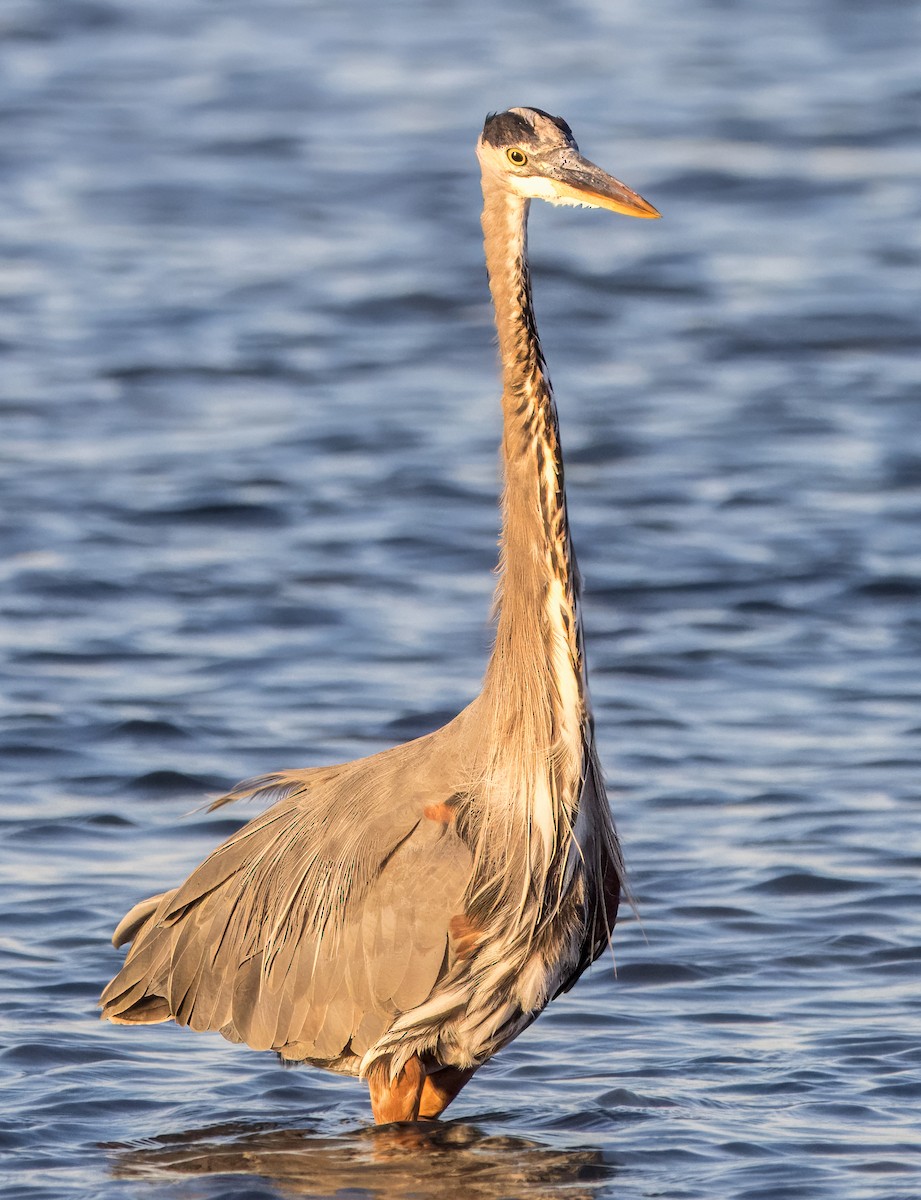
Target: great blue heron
{"type": "Point", "coordinates": [404, 916]}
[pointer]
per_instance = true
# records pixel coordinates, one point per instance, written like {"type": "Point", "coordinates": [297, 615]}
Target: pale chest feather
{"type": "Point", "coordinates": [556, 796]}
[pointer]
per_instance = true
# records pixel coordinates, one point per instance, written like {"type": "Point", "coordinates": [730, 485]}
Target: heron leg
{"type": "Point", "coordinates": [440, 1089]}
{"type": "Point", "coordinates": [396, 1100]}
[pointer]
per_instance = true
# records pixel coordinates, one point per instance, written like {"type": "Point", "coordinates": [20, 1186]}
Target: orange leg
{"type": "Point", "coordinates": [399, 1100]}
{"type": "Point", "coordinates": [440, 1089]}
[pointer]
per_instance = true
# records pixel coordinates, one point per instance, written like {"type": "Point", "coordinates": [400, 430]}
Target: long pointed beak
{"type": "Point", "coordinates": [584, 183]}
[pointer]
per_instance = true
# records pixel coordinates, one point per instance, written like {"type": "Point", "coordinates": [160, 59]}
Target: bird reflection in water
{"type": "Point", "coordinates": [427, 1160]}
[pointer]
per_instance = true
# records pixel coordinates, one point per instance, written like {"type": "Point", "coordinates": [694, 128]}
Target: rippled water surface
{"type": "Point", "coordinates": [247, 520]}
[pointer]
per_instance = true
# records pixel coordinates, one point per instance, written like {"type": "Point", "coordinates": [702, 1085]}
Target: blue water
{"type": "Point", "coordinates": [248, 470]}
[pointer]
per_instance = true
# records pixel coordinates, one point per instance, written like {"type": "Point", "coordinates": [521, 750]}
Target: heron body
{"type": "Point", "coordinates": [404, 916]}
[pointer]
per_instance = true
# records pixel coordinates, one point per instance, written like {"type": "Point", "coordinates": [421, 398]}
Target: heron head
{"type": "Point", "coordinates": [535, 156]}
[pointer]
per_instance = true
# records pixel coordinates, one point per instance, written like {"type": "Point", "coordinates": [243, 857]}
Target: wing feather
{"type": "Point", "coordinates": [310, 929]}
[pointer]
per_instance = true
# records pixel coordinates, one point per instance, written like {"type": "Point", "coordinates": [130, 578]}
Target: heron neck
{"type": "Point", "coordinates": [538, 641]}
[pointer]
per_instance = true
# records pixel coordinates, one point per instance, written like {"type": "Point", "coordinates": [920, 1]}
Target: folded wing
{"type": "Point", "coordinates": [310, 929]}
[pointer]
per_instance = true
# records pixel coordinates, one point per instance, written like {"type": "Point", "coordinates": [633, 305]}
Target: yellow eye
{"type": "Point", "coordinates": [516, 157]}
